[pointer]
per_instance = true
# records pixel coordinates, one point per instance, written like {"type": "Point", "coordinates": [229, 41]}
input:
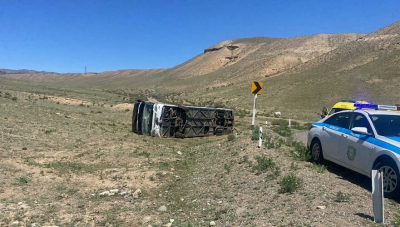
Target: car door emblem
{"type": "Point", "coordinates": [351, 153]}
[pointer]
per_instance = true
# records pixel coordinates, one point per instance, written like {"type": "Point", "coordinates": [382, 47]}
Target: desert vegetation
{"type": "Point", "coordinates": [68, 157]}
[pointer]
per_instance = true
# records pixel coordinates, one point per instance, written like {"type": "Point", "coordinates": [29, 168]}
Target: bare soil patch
{"type": "Point", "coordinates": [72, 165]}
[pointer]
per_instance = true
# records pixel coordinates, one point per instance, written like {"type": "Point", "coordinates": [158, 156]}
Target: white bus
{"type": "Point", "coordinates": [165, 120]}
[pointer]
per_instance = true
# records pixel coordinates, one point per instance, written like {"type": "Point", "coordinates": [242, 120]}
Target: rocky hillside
{"type": "Point", "coordinates": [260, 57]}
{"type": "Point", "coordinates": [366, 69]}
{"type": "Point", "coordinates": [300, 74]}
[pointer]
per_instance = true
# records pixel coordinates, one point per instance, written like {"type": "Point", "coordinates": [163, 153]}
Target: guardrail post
{"type": "Point", "coordinates": [260, 136]}
{"type": "Point", "coordinates": [377, 196]}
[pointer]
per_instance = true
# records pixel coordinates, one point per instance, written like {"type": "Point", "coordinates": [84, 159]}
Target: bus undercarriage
{"type": "Point", "coordinates": [164, 120]}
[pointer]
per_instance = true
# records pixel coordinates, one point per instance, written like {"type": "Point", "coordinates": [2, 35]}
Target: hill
{"type": "Point", "coordinates": [300, 74]}
{"type": "Point", "coordinates": [366, 69]}
{"type": "Point", "coordinates": [20, 71]}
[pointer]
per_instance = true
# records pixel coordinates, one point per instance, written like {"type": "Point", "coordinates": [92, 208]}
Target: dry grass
{"type": "Point", "coordinates": [61, 144]}
{"type": "Point", "coordinates": [58, 158]}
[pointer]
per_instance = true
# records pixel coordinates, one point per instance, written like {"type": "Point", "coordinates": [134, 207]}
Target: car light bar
{"type": "Point", "coordinates": [375, 106]}
{"type": "Point", "coordinates": [352, 101]}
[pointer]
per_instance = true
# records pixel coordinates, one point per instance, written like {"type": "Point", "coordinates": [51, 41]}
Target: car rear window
{"type": "Point", "coordinates": [387, 125]}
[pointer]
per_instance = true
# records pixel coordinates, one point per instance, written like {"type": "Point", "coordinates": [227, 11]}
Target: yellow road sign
{"type": "Point", "coordinates": [256, 87]}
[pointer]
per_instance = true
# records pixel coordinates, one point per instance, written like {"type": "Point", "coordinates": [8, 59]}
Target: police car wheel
{"type": "Point", "coordinates": [316, 152]}
{"type": "Point", "coordinates": [390, 178]}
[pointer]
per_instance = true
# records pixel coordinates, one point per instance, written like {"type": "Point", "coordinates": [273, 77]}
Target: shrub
{"type": "Point", "coordinates": [269, 143]}
{"type": "Point", "coordinates": [231, 137]}
{"type": "Point", "coordinates": [283, 131]}
{"type": "Point", "coordinates": [299, 151]}
{"type": "Point", "coordinates": [280, 122]}
{"type": "Point", "coordinates": [275, 174]}
{"type": "Point", "coordinates": [342, 197]}
{"type": "Point", "coordinates": [241, 113]}
{"type": "Point", "coordinates": [255, 134]}
{"type": "Point", "coordinates": [263, 164]}
{"type": "Point", "coordinates": [22, 180]}
{"type": "Point", "coordinates": [145, 154]}
{"type": "Point", "coordinates": [396, 220]}
{"type": "Point", "coordinates": [14, 98]}
{"type": "Point", "coordinates": [294, 166]}
{"type": "Point", "coordinates": [298, 126]}
{"type": "Point", "coordinates": [227, 168]}
{"type": "Point", "coordinates": [290, 142]}
{"type": "Point", "coordinates": [273, 142]}
{"type": "Point", "coordinates": [48, 131]}
{"type": "Point", "coordinates": [290, 183]}
{"type": "Point", "coordinates": [317, 167]}
{"type": "Point", "coordinates": [245, 159]}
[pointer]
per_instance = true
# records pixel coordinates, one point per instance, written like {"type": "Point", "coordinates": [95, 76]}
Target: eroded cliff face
{"type": "Point", "coordinates": [261, 57]}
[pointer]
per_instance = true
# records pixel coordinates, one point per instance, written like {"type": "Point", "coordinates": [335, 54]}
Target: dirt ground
{"type": "Point", "coordinates": [70, 161]}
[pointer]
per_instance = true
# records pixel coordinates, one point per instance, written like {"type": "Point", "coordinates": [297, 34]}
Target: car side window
{"type": "Point", "coordinates": [359, 120]}
{"type": "Point", "coordinates": [341, 120]}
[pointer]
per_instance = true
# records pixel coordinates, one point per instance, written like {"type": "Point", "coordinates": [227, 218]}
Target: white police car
{"type": "Point", "coordinates": [361, 140]}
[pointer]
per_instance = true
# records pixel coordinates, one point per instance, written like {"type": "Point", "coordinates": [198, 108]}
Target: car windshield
{"type": "Point", "coordinates": [335, 110]}
{"type": "Point", "coordinates": [387, 125]}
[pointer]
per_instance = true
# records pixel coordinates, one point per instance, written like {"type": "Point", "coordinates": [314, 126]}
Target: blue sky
{"type": "Point", "coordinates": [67, 35]}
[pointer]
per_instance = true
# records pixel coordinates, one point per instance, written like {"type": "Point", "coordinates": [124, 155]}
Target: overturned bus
{"type": "Point", "coordinates": [165, 120]}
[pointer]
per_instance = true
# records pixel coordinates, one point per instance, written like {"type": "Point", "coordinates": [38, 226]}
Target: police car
{"type": "Point", "coordinates": [361, 140]}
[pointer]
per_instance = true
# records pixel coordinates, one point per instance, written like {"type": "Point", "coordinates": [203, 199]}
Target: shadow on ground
{"type": "Point", "coordinates": [349, 175]}
{"type": "Point", "coordinates": [366, 216]}
{"type": "Point", "coordinates": [353, 177]}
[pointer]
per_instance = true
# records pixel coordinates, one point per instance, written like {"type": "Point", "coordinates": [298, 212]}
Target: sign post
{"type": "Point", "coordinates": [254, 112]}
{"type": "Point", "coordinates": [377, 196]}
{"type": "Point", "coordinates": [256, 89]}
